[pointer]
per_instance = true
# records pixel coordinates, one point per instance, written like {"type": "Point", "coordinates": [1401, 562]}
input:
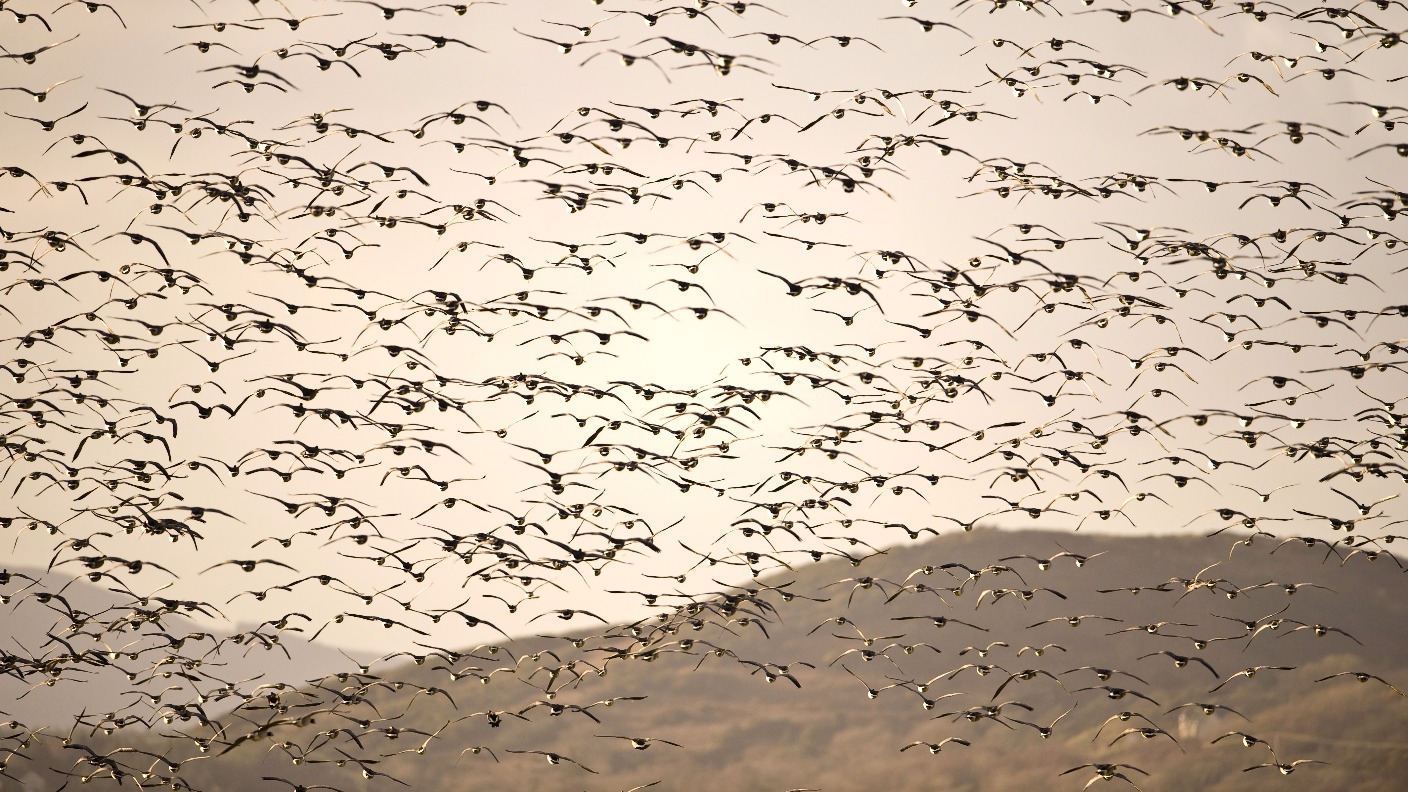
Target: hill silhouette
{"type": "Point", "coordinates": [771, 689]}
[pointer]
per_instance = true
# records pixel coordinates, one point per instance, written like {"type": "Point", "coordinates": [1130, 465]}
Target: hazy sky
{"type": "Point", "coordinates": [551, 126]}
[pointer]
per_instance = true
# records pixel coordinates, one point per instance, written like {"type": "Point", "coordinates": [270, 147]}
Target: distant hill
{"type": "Point", "coordinates": [738, 731]}
{"type": "Point", "coordinates": [29, 626]}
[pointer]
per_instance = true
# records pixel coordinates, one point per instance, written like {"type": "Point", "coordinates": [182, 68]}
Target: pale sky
{"type": "Point", "coordinates": [936, 209]}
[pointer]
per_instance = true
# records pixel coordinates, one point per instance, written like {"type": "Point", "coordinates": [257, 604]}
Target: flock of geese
{"type": "Point", "coordinates": [421, 327]}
